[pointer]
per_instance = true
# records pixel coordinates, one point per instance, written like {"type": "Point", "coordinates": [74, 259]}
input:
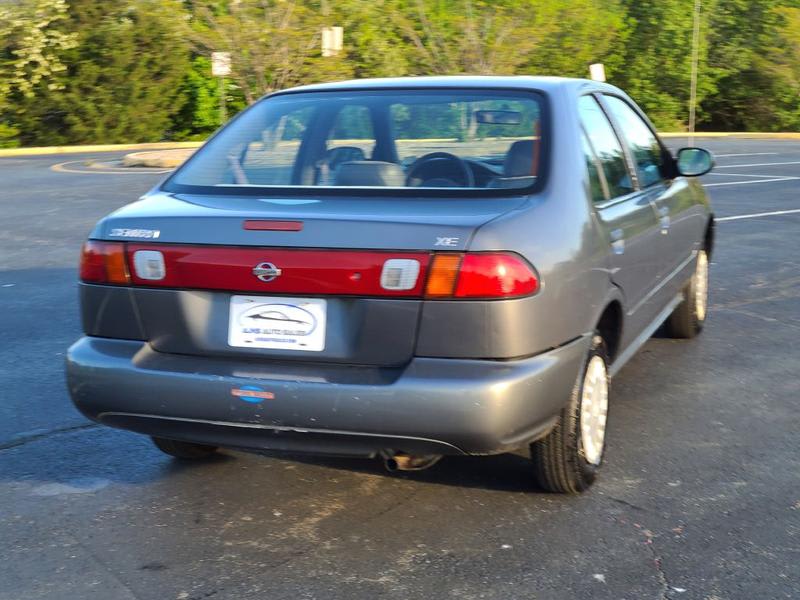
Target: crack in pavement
{"type": "Point", "coordinates": [628, 504]}
{"type": "Point", "coordinates": [649, 541]}
{"type": "Point", "coordinates": [34, 437]}
{"type": "Point", "coordinates": [662, 575]}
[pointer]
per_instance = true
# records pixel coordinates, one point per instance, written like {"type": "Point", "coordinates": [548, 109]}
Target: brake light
{"type": "Point", "coordinates": [104, 262]}
{"type": "Point", "coordinates": [481, 275]}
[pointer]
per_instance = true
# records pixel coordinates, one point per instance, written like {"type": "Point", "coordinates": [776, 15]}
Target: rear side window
{"type": "Point", "coordinates": [641, 141]}
{"type": "Point", "coordinates": [596, 183]}
{"type": "Point", "coordinates": [400, 139]}
{"type": "Point", "coordinates": [606, 146]}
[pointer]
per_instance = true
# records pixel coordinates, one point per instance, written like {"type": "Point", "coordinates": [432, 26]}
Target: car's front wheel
{"type": "Point", "coordinates": [687, 320]}
{"type": "Point", "coordinates": [184, 450]}
{"type": "Point", "coordinates": [567, 459]}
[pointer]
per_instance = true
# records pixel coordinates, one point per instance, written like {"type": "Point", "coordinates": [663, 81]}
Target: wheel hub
{"type": "Point", "coordinates": [701, 286]}
{"type": "Point", "coordinates": [594, 410]}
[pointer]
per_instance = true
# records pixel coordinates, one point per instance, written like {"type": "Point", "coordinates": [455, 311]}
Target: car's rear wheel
{"type": "Point", "coordinates": [184, 450]}
{"type": "Point", "coordinates": [687, 320]}
{"type": "Point", "coordinates": [567, 459]}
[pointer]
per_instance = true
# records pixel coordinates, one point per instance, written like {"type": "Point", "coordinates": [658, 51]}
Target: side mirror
{"type": "Point", "coordinates": [693, 162]}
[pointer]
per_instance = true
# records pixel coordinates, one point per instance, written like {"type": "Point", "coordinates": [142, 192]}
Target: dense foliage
{"type": "Point", "coordinates": [79, 71]}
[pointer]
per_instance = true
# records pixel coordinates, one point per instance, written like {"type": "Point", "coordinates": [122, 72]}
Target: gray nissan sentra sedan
{"type": "Point", "coordinates": [398, 268]}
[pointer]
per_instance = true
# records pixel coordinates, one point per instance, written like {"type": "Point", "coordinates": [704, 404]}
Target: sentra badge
{"type": "Point", "coordinates": [147, 234]}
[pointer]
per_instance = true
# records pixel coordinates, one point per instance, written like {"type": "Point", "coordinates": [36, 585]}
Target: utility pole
{"type": "Point", "coordinates": [695, 60]}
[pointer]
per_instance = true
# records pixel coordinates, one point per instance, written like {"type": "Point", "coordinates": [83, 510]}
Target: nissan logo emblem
{"type": "Point", "coordinates": [266, 271]}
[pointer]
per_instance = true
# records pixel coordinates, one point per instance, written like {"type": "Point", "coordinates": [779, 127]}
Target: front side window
{"type": "Point", "coordinates": [642, 143]}
{"type": "Point", "coordinates": [606, 146]}
{"type": "Point", "coordinates": [429, 139]}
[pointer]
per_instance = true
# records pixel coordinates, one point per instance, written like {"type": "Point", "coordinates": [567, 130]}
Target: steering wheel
{"type": "Point", "coordinates": [437, 168]}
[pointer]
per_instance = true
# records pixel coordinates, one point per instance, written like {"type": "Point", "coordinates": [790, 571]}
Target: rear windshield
{"type": "Point", "coordinates": [398, 140]}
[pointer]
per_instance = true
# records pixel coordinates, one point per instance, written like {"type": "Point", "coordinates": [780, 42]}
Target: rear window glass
{"type": "Point", "coordinates": [430, 139]}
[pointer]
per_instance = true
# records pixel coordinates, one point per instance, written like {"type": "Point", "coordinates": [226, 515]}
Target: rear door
{"type": "Point", "coordinates": [626, 214]}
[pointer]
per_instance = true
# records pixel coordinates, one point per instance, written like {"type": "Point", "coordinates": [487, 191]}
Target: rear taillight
{"type": "Point", "coordinates": [104, 262]}
{"type": "Point", "coordinates": [440, 275]}
{"type": "Point", "coordinates": [480, 275]}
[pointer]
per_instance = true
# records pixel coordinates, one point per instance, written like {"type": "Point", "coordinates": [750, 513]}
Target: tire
{"type": "Point", "coordinates": [184, 450]}
{"type": "Point", "coordinates": [566, 461]}
{"type": "Point", "coordinates": [688, 318]}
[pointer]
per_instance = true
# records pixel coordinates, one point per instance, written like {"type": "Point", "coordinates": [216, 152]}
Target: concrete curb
{"type": "Point", "coordinates": [95, 148]}
{"type": "Point", "coordinates": [163, 159]}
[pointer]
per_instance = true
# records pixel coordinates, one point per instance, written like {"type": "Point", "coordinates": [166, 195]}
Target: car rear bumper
{"type": "Point", "coordinates": [430, 406]}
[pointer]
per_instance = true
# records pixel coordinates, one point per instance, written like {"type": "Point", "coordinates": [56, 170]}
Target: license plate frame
{"type": "Point", "coordinates": [277, 323]}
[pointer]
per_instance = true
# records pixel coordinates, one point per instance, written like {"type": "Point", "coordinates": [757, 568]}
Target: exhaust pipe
{"type": "Point", "coordinates": [407, 462]}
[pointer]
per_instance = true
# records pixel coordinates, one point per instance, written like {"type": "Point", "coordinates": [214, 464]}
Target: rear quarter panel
{"type": "Point", "coordinates": [555, 231]}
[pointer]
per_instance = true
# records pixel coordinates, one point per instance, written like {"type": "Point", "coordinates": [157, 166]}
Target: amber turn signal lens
{"type": "Point", "coordinates": [104, 262]}
{"type": "Point", "coordinates": [443, 275]}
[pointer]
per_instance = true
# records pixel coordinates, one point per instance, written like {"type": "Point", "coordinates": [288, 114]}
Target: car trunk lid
{"type": "Point", "coordinates": [222, 252]}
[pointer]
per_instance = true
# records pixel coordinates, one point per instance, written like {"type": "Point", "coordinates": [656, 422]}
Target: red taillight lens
{"type": "Point", "coordinates": [104, 262]}
{"type": "Point", "coordinates": [482, 275]}
{"type": "Point", "coordinates": [493, 275]}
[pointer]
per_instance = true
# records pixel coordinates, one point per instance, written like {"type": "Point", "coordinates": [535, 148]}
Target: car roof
{"type": "Point", "coordinates": [520, 82]}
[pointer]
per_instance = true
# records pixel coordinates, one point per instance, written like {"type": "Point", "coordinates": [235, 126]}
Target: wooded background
{"type": "Point", "coordinates": [99, 71]}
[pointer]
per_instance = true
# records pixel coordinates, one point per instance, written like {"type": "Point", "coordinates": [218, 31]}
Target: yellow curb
{"type": "Point", "coordinates": [742, 135]}
{"type": "Point", "coordinates": [95, 148]}
{"type": "Point", "coordinates": [168, 145]}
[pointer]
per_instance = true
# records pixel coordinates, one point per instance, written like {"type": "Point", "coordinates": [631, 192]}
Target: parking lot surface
{"type": "Point", "coordinates": [700, 496]}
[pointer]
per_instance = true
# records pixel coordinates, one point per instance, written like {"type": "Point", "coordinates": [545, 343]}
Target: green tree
{"type": "Point", "coordinates": [273, 44]}
{"type": "Point", "coordinates": [121, 77]}
{"type": "Point", "coordinates": [658, 55]}
{"type": "Point", "coordinates": [32, 45]}
{"type": "Point", "coordinates": [199, 114]}
{"type": "Point", "coordinates": [755, 51]}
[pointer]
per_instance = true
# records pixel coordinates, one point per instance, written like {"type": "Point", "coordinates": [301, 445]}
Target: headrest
{"type": "Point", "coordinates": [370, 173]}
{"type": "Point", "coordinates": [519, 159]}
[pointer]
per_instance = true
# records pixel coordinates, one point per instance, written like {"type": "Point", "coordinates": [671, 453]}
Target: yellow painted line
{"type": "Point", "coordinates": [63, 168]}
{"type": "Point", "coordinates": [95, 148]}
{"type": "Point", "coordinates": [785, 135]}
{"type": "Point", "coordinates": [755, 135]}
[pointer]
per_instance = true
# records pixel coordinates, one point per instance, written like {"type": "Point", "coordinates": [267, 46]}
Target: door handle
{"type": "Point", "coordinates": [617, 241]}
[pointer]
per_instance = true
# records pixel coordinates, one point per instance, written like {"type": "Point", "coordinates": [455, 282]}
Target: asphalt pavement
{"type": "Point", "coordinates": [699, 499]}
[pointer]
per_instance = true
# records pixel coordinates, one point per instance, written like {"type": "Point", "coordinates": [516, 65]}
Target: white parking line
{"type": "Point", "coordinates": [751, 181]}
{"type": "Point", "coordinates": [764, 214]}
{"type": "Point", "coordinates": [743, 175]}
{"type": "Point", "coordinates": [749, 154]}
{"type": "Point", "coordinates": [775, 164]}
